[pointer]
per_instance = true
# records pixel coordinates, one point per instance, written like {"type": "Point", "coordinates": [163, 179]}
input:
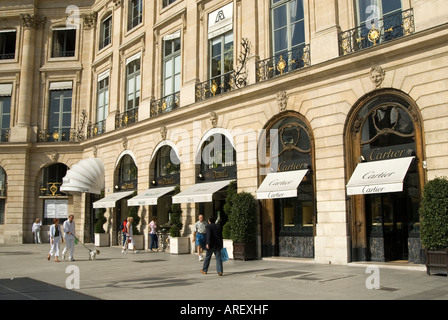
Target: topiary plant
{"type": "Point", "coordinates": [227, 225]}
{"type": "Point", "coordinates": [243, 218]}
{"type": "Point", "coordinates": [99, 225]}
{"type": "Point", "coordinates": [175, 217]}
{"type": "Point", "coordinates": [133, 212]}
{"type": "Point", "coordinates": [434, 214]}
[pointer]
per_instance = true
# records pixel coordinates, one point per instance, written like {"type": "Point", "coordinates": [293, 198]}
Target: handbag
{"type": "Point", "coordinates": [224, 254]}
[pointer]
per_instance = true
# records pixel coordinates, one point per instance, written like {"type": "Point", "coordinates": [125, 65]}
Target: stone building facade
{"type": "Point", "coordinates": [138, 84]}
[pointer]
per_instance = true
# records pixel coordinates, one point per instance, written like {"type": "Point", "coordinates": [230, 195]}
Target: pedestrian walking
{"type": "Point", "coordinates": [123, 230]}
{"type": "Point", "coordinates": [214, 245]}
{"type": "Point", "coordinates": [69, 229]}
{"type": "Point", "coordinates": [129, 236]}
{"type": "Point", "coordinates": [55, 239]}
{"type": "Point", "coordinates": [199, 235]}
{"type": "Point", "coordinates": [153, 246]}
{"type": "Point", "coordinates": [37, 225]}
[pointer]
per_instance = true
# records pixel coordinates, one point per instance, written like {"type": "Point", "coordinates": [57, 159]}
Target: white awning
{"type": "Point", "coordinates": [5, 89]}
{"type": "Point", "coordinates": [110, 200]}
{"type": "Point", "coordinates": [61, 85]}
{"type": "Point", "coordinates": [280, 184]}
{"type": "Point", "coordinates": [379, 176]}
{"type": "Point", "coordinates": [85, 176]}
{"type": "Point", "coordinates": [149, 197]}
{"type": "Point", "coordinates": [200, 192]}
{"type": "Point", "coordinates": [220, 21]}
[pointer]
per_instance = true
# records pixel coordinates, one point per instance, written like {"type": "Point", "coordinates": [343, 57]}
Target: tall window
{"type": "Point", "coordinates": [7, 44]}
{"type": "Point", "coordinates": [60, 114]}
{"type": "Point", "coordinates": [171, 66]}
{"type": "Point", "coordinates": [135, 13]}
{"type": "Point", "coordinates": [5, 117]}
{"type": "Point", "coordinates": [106, 32]}
{"type": "Point", "coordinates": [368, 10]}
{"type": "Point", "coordinates": [221, 54]}
{"type": "Point", "coordinates": [103, 99]}
{"type": "Point", "coordinates": [2, 194]}
{"type": "Point", "coordinates": [380, 20]}
{"type": "Point", "coordinates": [288, 26]}
{"type": "Point", "coordinates": [64, 43]}
{"type": "Point", "coordinates": [133, 84]}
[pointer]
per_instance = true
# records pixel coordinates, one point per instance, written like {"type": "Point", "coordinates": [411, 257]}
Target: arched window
{"type": "Point", "coordinates": [217, 152]}
{"type": "Point", "coordinates": [127, 173]}
{"type": "Point", "coordinates": [383, 127]}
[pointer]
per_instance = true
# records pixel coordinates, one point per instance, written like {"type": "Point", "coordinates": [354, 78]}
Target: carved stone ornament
{"type": "Point", "coordinates": [117, 3]}
{"type": "Point", "coordinates": [282, 100]}
{"type": "Point", "coordinates": [95, 151]}
{"type": "Point", "coordinates": [89, 20]}
{"type": "Point", "coordinates": [377, 75]}
{"type": "Point", "coordinates": [214, 119]}
{"type": "Point", "coordinates": [32, 21]}
{"type": "Point", "coordinates": [124, 141]}
{"type": "Point", "coordinates": [55, 157]}
{"type": "Point", "coordinates": [163, 131]}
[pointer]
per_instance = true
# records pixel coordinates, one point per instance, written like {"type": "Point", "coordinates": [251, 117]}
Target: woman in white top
{"type": "Point", "coordinates": [55, 239]}
{"type": "Point", "coordinates": [36, 230]}
{"type": "Point", "coordinates": [129, 236]}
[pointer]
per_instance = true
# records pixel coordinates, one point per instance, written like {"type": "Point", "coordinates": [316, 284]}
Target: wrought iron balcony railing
{"type": "Point", "coordinates": [283, 63]}
{"type": "Point", "coordinates": [218, 85]}
{"type": "Point", "coordinates": [126, 118]}
{"type": "Point", "coordinates": [391, 27]}
{"type": "Point", "coordinates": [7, 56]}
{"type": "Point", "coordinates": [57, 135]}
{"type": "Point", "coordinates": [4, 135]}
{"type": "Point", "coordinates": [166, 104]}
{"type": "Point", "coordinates": [63, 54]}
{"type": "Point", "coordinates": [95, 129]}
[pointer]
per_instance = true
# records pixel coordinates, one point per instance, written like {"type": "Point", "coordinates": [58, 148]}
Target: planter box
{"type": "Point", "coordinates": [437, 261]}
{"type": "Point", "coordinates": [228, 244]}
{"type": "Point", "coordinates": [244, 251]}
{"type": "Point", "coordinates": [102, 240]}
{"type": "Point", "coordinates": [139, 241]}
{"type": "Point", "coordinates": [179, 245]}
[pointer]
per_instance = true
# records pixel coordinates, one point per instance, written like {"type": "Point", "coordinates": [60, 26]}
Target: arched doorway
{"type": "Point", "coordinates": [55, 203]}
{"type": "Point", "coordinates": [166, 173]}
{"type": "Point", "coordinates": [217, 163]}
{"type": "Point", "coordinates": [126, 174]}
{"type": "Point", "coordinates": [383, 137]}
{"type": "Point", "coordinates": [288, 214]}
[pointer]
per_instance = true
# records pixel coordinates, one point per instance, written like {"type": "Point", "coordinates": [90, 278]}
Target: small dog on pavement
{"type": "Point", "coordinates": [93, 253]}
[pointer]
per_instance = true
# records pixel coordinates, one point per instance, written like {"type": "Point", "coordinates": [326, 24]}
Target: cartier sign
{"type": "Point", "coordinates": [393, 152]}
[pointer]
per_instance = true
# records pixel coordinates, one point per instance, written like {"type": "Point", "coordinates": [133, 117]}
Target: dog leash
{"type": "Point", "coordinates": [82, 243]}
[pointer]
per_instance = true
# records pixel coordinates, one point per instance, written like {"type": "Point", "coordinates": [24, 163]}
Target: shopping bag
{"type": "Point", "coordinates": [224, 255]}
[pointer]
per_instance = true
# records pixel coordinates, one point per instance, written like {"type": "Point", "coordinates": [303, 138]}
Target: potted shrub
{"type": "Point", "coordinates": [243, 226]}
{"type": "Point", "coordinates": [178, 244]}
{"type": "Point", "coordinates": [227, 225]}
{"type": "Point", "coordinates": [138, 238]}
{"type": "Point", "coordinates": [102, 238]}
{"type": "Point", "coordinates": [434, 224]}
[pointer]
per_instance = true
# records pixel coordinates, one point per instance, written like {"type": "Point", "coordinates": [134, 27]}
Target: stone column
{"type": "Point", "coordinates": [22, 130]}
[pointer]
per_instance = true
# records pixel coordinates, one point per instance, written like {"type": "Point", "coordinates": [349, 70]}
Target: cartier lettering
{"type": "Point", "coordinates": [378, 154]}
{"type": "Point", "coordinates": [372, 175]}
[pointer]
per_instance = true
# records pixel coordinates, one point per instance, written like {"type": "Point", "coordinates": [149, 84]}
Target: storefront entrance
{"type": "Point", "coordinates": [286, 188]}
{"type": "Point", "coordinates": [384, 189]}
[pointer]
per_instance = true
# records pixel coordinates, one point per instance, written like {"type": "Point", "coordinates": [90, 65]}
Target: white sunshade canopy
{"type": "Point", "coordinates": [149, 197]}
{"type": "Point", "coordinates": [85, 176]}
{"type": "Point", "coordinates": [200, 192]}
{"type": "Point", "coordinates": [110, 200]}
{"type": "Point", "coordinates": [379, 176]}
{"type": "Point", "coordinates": [280, 184]}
